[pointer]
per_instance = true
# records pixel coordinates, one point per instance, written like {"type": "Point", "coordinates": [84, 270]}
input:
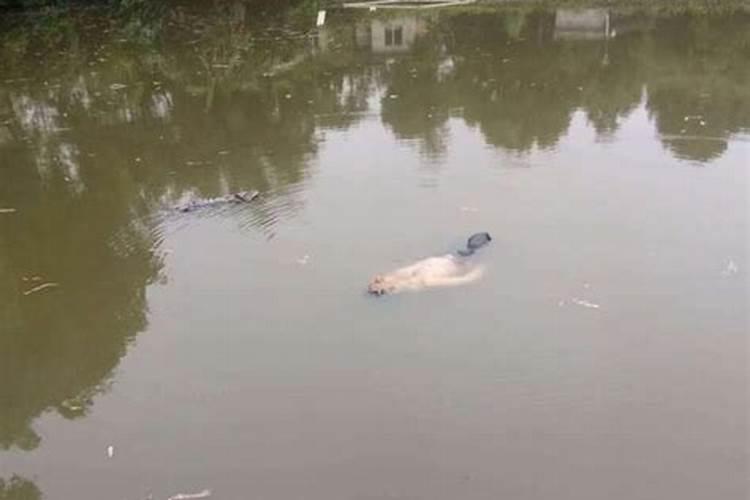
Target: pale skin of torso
{"type": "Point", "coordinates": [443, 271]}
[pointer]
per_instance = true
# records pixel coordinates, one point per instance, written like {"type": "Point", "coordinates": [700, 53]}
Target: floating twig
{"type": "Point", "coordinates": [39, 288]}
{"type": "Point", "coordinates": [585, 303]}
{"type": "Point", "coordinates": [190, 496]}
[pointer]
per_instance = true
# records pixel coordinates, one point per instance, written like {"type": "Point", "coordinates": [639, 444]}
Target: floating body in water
{"type": "Point", "coordinates": [240, 197]}
{"type": "Point", "coordinates": [441, 271]}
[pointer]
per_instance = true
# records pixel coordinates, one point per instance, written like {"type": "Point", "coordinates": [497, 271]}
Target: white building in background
{"type": "Point", "coordinates": [390, 36]}
{"type": "Point", "coordinates": [596, 24]}
{"type": "Point", "coordinates": [582, 24]}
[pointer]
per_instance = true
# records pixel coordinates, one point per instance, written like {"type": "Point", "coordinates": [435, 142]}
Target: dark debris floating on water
{"type": "Point", "coordinates": [235, 198]}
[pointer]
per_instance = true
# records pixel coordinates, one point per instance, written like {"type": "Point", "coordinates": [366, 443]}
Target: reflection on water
{"type": "Point", "coordinates": [17, 488]}
{"type": "Point", "coordinates": [108, 121]}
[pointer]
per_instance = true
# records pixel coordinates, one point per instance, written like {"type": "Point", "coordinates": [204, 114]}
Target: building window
{"type": "Point", "coordinates": [398, 36]}
{"type": "Point", "coordinates": [394, 36]}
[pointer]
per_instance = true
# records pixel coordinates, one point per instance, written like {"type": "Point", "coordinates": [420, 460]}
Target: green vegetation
{"type": "Point", "coordinates": [17, 488]}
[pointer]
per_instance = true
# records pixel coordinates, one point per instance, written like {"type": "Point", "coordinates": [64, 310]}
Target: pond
{"type": "Point", "coordinates": [231, 350]}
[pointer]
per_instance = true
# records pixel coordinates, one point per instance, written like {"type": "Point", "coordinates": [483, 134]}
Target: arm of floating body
{"type": "Point", "coordinates": [473, 275]}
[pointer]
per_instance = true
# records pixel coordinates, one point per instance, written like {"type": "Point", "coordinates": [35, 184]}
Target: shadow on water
{"type": "Point", "coordinates": [107, 121]}
{"type": "Point", "coordinates": [18, 488]}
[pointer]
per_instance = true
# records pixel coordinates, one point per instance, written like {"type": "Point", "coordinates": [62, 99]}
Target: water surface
{"type": "Point", "coordinates": [603, 355]}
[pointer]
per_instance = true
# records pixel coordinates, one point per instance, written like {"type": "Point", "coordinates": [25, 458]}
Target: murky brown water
{"type": "Point", "coordinates": [233, 349]}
